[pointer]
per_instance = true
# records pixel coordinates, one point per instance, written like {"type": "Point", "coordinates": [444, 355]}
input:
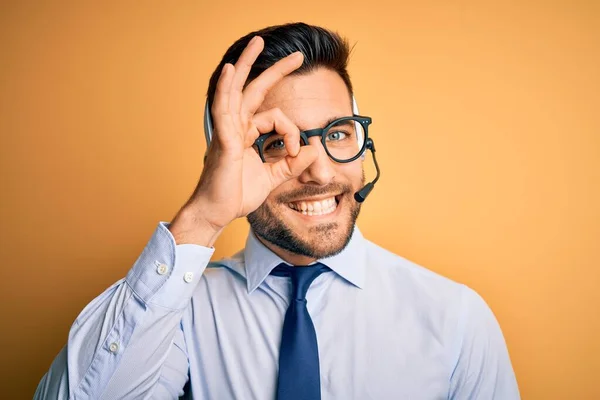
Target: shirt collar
{"type": "Point", "coordinates": [350, 263]}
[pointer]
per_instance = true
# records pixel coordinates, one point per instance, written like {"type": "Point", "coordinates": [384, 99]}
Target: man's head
{"type": "Point", "coordinates": [317, 92]}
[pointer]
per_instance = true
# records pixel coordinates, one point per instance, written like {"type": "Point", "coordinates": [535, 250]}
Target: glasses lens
{"type": "Point", "coordinates": [342, 139]}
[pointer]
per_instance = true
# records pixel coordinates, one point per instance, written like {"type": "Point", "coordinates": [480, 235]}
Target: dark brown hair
{"type": "Point", "coordinates": [321, 48]}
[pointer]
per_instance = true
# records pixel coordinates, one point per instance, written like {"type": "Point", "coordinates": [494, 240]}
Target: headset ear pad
{"type": "Point", "coordinates": [358, 128]}
{"type": "Point", "coordinates": [208, 125]}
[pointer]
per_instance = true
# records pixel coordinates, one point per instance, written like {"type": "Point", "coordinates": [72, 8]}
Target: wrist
{"type": "Point", "coordinates": [190, 227]}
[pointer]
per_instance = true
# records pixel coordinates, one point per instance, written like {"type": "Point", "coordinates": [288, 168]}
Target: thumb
{"type": "Point", "coordinates": [291, 167]}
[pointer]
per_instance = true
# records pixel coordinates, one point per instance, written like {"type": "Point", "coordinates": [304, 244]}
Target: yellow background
{"type": "Point", "coordinates": [486, 120]}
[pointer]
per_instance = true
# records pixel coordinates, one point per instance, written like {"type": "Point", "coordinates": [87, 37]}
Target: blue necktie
{"type": "Point", "coordinates": [299, 374]}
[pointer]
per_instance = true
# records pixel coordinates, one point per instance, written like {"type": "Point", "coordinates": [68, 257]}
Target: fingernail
{"type": "Point", "coordinates": [253, 40]}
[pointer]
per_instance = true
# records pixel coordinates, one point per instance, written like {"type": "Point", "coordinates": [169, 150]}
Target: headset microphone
{"type": "Point", "coordinates": [362, 194]}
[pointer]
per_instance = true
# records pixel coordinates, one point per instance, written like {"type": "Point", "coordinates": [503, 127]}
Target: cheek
{"type": "Point", "coordinates": [272, 199]}
{"type": "Point", "coordinates": [353, 173]}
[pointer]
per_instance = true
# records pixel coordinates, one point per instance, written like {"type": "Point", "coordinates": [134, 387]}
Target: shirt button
{"type": "Point", "coordinates": [162, 269]}
{"type": "Point", "coordinates": [114, 347]}
{"type": "Point", "coordinates": [188, 277]}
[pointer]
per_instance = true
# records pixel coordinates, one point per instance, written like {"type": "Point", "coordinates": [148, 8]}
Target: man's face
{"type": "Point", "coordinates": [326, 187]}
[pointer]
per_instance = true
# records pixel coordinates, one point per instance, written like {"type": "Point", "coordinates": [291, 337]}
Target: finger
{"type": "Point", "coordinates": [242, 70]}
{"type": "Point", "coordinates": [220, 107]}
{"type": "Point", "coordinates": [291, 167]}
{"type": "Point", "coordinates": [275, 120]}
{"type": "Point", "coordinates": [256, 91]}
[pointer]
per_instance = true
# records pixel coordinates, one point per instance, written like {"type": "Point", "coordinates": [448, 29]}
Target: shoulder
{"type": "Point", "coordinates": [431, 295]}
{"type": "Point", "coordinates": [410, 278]}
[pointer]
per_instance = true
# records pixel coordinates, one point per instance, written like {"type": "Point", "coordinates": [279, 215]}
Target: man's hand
{"type": "Point", "coordinates": [235, 181]}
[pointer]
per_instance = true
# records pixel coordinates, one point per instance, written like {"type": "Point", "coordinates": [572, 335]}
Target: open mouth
{"type": "Point", "coordinates": [316, 207]}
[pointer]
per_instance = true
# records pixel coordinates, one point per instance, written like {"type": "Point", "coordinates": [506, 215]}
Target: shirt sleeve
{"type": "Point", "coordinates": [483, 369]}
{"type": "Point", "coordinates": [128, 342]}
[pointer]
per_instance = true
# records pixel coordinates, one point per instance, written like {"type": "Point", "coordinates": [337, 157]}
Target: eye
{"type": "Point", "coordinates": [276, 144]}
{"type": "Point", "coordinates": [336, 136]}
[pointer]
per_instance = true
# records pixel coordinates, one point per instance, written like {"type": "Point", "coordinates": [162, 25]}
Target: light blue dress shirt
{"type": "Point", "coordinates": [387, 329]}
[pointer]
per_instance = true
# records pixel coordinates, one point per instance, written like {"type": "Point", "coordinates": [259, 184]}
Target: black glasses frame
{"type": "Point", "coordinates": [305, 135]}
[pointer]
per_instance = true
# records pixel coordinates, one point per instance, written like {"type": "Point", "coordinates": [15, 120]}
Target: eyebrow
{"type": "Point", "coordinates": [330, 120]}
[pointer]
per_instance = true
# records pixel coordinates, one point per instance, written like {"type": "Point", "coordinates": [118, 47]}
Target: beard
{"type": "Point", "coordinates": [324, 240]}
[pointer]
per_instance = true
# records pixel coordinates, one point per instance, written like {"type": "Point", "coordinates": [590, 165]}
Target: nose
{"type": "Point", "coordinates": [322, 171]}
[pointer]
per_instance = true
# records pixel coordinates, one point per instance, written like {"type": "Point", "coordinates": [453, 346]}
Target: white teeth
{"type": "Point", "coordinates": [315, 208]}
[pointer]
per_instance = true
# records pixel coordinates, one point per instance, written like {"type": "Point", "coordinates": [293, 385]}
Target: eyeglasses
{"type": "Point", "coordinates": [344, 140]}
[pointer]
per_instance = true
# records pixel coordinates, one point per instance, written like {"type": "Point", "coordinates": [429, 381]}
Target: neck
{"type": "Point", "coordinates": [287, 256]}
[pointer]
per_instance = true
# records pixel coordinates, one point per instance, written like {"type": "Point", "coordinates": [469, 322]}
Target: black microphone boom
{"type": "Point", "coordinates": [362, 194]}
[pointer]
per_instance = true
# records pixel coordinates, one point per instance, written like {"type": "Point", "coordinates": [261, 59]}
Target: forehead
{"type": "Point", "coordinates": [310, 99]}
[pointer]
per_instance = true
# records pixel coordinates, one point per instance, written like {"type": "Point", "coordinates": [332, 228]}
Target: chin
{"type": "Point", "coordinates": [305, 228]}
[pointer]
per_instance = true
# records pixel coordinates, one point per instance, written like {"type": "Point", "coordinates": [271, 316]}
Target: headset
{"type": "Point", "coordinates": [359, 196]}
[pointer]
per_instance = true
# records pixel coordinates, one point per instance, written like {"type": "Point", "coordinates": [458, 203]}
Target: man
{"type": "Point", "coordinates": [309, 309]}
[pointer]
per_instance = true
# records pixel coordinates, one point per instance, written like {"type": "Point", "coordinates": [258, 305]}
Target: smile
{"type": "Point", "coordinates": [315, 207]}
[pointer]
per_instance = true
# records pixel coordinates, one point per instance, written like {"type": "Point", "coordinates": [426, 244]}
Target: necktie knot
{"type": "Point", "coordinates": [302, 277]}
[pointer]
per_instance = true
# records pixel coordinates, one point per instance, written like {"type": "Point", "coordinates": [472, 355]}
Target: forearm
{"type": "Point", "coordinates": [121, 340]}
